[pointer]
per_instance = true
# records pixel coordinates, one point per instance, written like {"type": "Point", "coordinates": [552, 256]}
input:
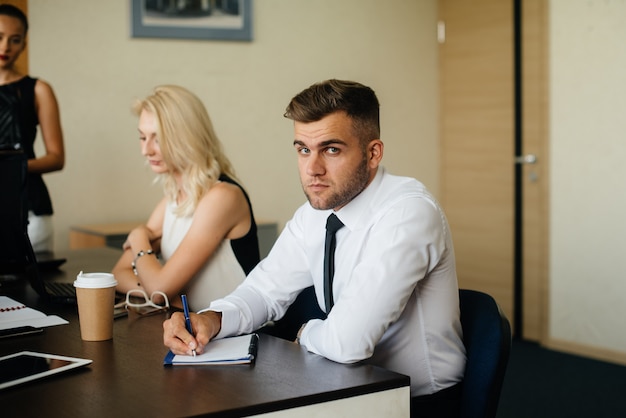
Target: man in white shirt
{"type": "Point", "coordinates": [395, 289]}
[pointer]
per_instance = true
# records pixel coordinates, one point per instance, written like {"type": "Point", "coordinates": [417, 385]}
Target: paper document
{"type": "Point", "coordinates": [14, 314]}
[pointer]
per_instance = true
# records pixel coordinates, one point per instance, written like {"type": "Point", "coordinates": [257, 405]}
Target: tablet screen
{"type": "Point", "coordinates": [26, 366]}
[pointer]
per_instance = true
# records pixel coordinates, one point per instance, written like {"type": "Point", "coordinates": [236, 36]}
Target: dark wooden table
{"type": "Point", "coordinates": [127, 377]}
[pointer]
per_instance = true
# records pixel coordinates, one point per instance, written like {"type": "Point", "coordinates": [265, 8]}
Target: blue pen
{"type": "Point", "coordinates": [187, 320]}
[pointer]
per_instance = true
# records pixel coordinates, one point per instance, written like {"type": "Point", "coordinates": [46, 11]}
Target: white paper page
{"type": "Point", "coordinates": [223, 350]}
{"type": "Point", "coordinates": [15, 314]}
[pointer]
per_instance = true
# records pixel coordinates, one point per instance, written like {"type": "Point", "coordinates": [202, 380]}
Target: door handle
{"type": "Point", "coordinates": [526, 159]}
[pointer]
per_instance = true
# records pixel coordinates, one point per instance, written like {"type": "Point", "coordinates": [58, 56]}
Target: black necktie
{"type": "Point", "coordinates": [333, 224]}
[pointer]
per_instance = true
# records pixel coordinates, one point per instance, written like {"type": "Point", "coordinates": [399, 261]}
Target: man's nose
{"type": "Point", "coordinates": [315, 165]}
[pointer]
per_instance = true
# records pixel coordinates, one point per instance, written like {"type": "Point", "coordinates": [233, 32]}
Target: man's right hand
{"type": "Point", "coordinates": [205, 326]}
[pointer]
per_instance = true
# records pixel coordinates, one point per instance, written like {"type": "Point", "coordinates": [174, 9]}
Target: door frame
{"type": "Point", "coordinates": [535, 141]}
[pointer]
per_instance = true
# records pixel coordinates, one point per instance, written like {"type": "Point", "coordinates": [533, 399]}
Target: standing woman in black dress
{"type": "Point", "coordinates": [26, 102]}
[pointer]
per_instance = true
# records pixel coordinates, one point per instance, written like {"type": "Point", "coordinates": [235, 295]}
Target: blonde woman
{"type": "Point", "coordinates": [204, 228]}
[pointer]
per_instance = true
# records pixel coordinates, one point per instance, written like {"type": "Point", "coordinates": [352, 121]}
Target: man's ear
{"type": "Point", "coordinates": [375, 152]}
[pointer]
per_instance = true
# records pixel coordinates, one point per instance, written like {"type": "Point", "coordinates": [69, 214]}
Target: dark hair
{"type": "Point", "coordinates": [321, 99]}
{"type": "Point", "coordinates": [10, 10]}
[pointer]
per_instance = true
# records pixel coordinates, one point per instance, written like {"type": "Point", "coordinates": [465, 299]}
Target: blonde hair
{"type": "Point", "coordinates": [188, 144]}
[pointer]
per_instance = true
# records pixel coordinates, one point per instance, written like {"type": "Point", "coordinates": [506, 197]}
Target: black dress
{"type": "Point", "coordinates": [18, 130]}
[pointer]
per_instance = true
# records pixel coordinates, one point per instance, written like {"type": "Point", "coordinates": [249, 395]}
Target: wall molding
{"type": "Point", "coordinates": [596, 353]}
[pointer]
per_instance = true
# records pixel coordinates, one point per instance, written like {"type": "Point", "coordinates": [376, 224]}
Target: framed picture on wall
{"type": "Point", "coordinates": [192, 19]}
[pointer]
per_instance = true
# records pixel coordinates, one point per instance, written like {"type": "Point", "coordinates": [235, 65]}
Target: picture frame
{"type": "Point", "coordinates": [192, 19]}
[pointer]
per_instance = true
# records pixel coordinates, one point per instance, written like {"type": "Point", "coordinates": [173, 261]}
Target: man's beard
{"type": "Point", "coordinates": [358, 182]}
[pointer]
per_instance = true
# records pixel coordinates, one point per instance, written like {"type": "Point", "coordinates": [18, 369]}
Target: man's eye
{"type": "Point", "coordinates": [333, 150]}
{"type": "Point", "coordinates": [304, 150]}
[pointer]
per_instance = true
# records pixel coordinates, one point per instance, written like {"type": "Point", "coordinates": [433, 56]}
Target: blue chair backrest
{"type": "Point", "coordinates": [487, 338]}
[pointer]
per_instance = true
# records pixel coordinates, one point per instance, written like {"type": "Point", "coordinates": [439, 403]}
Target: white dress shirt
{"type": "Point", "coordinates": [395, 286]}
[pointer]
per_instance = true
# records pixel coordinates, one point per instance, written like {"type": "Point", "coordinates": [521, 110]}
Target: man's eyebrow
{"type": "Point", "coordinates": [326, 143]}
{"type": "Point", "coordinates": [332, 142]}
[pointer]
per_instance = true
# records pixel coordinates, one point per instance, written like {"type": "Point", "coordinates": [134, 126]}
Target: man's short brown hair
{"type": "Point", "coordinates": [359, 102]}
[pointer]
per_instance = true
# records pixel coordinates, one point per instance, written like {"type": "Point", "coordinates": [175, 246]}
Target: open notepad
{"type": "Point", "coordinates": [14, 314]}
{"type": "Point", "coordinates": [231, 350]}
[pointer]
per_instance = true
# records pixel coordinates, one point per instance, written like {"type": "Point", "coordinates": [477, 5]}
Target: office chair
{"type": "Point", "coordinates": [487, 338]}
{"type": "Point", "coordinates": [16, 253]}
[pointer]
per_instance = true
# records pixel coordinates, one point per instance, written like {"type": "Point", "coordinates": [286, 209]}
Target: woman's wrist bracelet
{"type": "Point", "coordinates": [139, 255]}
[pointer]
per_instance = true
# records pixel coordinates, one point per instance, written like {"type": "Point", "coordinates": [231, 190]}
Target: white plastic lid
{"type": "Point", "coordinates": [95, 280]}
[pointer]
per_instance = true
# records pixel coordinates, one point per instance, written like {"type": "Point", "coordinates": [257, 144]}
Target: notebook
{"type": "Point", "coordinates": [15, 315]}
{"type": "Point", "coordinates": [231, 350]}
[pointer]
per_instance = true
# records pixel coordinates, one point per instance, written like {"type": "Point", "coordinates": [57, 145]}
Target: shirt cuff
{"type": "Point", "coordinates": [230, 318]}
{"type": "Point", "coordinates": [305, 332]}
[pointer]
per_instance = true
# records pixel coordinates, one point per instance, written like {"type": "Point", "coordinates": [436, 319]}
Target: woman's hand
{"type": "Point", "coordinates": [141, 237]}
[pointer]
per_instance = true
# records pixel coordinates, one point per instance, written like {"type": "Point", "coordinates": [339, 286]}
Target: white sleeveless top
{"type": "Point", "coordinates": [220, 275]}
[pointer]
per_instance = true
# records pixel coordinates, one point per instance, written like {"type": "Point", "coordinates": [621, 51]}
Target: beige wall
{"type": "Point", "coordinates": [84, 49]}
{"type": "Point", "coordinates": [588, 175]}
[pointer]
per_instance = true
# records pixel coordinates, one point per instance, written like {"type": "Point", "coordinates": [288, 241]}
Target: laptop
{"type": "Point", "coordinates": [56, 292]}
{"type": "Point", "coordinates": [62, 292]}
{"type": "Point", "coordinates": [46, 260]}
{"type": "Point", "coordinates": [17, 257]}
{"type": "Point", "coordinates": [16, 252]}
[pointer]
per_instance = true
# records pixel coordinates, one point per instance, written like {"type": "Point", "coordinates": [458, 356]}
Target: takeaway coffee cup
{"type": "Point", "coordinates": [96, 296]}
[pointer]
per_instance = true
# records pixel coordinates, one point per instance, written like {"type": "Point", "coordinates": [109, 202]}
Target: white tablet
{"type": "Point", "coordinates": [25, 366]}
